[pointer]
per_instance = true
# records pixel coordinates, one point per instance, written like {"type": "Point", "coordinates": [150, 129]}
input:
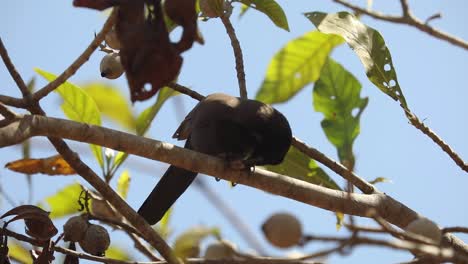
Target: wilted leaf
{"type": "Point", "coordinates": [298, 165]}
{"type": "Point", "coordinates": [78, 106]}
{"type": "Point", "coordinates": [336, 95]}
{"type": "Point", "coordinates": [112, 103]}
{"type": "Point", "coordinates": [19, 253]}
{"type": "Point", "coordinates": [36, 220]}
{"type": "Point", "coordinates": [379, 179]}
{"type": "Point", "coordinates": [54, 165]}
{"type": "Point", "coordinates": [65, 201]}
{"type": "Point", "coordinates": [270, 8]}
{"type": "Point", "coordinates": [114, 252]}
{"type": "Point", "coordinates": [123, 184]}
{"type": "Point", "coordinates": [296, 65]}
{"type": "Point", "coordinates": [146, 117]}
{"type": "Point", "coordinates": [368, 44]}
{"type": "Point", "coordinates": [188, 243]}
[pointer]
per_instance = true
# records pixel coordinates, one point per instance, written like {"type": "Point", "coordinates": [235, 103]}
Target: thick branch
{"type": "Point", "coordinates": [332, 200]}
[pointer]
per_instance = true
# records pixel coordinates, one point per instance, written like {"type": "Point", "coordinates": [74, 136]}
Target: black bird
{"type": "Point", "coordinates": [244, 132]}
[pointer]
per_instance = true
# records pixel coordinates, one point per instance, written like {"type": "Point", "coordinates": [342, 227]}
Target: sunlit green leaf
{"type": "Point", "coordinates": [187, 244]}
{"type": "Point", "coordinates": [379, 179]}
{"type": "Point", "coordinates": [368, 44]}
{"type": "Point", "coordinates": [78, 106]}
{"type": "Point", "coordinates": [270, 8]}
{"type": "Point", "coordinates": [337, 95]}
{"type": "Point", "coordinates": [163, 226]}
{"type": "Point", "coordinates": [65, 201]}
{"type": "Point", "coordinates": [296, 65]}
{"type": "Point", "coordinates": [298, 165]}
{"type": "Point", "coordinates": [146, 117]}
{"type": "Point", "coordinates": [339, 220]}
{"type": "Point", "coordinates": [111, 102]}
{"type": "Point", "coordinates": [114, 252]}
{"type": "Point", "coordinates": [123, 184]}
{"type": "Point", "coordinates": [19, 253]}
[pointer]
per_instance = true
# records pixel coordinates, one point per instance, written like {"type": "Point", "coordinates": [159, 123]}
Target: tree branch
{"type": "Point", "coordinates": [407, 19]}
{"type": "Point", "coordinates": [12, 70]}
{"type": "Point", "coordinates": [237, 54]}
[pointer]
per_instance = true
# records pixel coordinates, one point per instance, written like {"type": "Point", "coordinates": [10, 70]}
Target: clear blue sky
{"type": "Point", "coordinates": [432, 73]}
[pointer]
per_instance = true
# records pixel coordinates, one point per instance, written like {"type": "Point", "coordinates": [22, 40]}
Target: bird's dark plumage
{"type": "Point", "coordinates": [221, 125]}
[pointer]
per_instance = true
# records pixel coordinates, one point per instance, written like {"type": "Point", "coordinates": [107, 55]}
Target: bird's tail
{"type": "Point", "coordinates": [172, 185]}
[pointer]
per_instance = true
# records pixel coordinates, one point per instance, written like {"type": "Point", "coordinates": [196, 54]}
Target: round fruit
{"type": "Point", "coordinates": [220, 250]}
{"type": "Point", "coordinates": [96, 240]}
{"type": "Point", "coordinates": [111, 67]}
{"type": "Point", "coordinates": [112, 40]}
{"type": "Point", "coordinates": [75, 228]}
{"type": "Point", "coordinates": [425, 227]}
{"type": "Point", "coordinates": [282, 230]}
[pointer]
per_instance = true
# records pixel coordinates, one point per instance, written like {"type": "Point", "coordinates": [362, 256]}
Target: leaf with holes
{"type": "Point", "coordinates": [298, 165]}
{"type": "Point", "coordinates": [111, 102]}
{"type": "Point", "coordinates": [337, 95]}
{"type": "Point", "coordinates": [368, 44]}
{"type": "Point", "coordinates": [270, 8]}
{"type": "Point", "coordinates": [78, 106]}
{"type": "Point", "coordinates": [65, 201]}
{"type": "Point", "coordinates": [296, 65]}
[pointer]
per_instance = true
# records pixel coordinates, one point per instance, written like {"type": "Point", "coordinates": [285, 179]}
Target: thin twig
{"type": "Point", "coordinates": [12, 101]}
{"type": "Point", "coordinates": [84, 57]}
{"type": "Point", "coordinates": [115, 222]}
{"type": "Point", "coordinates": [338, 168]}
{"type": "Point", "coordinates": [143, 248]}
{"type": "Point", "coordinates": [444, 146]}
{"type": "Point", "coordinates": [408, 20]}
{"type": "Point", "coordinates": [185, 90]}
{"type": "Point", "coordinates": [237, 54]}
{"type": "Point", "coordinates": [12, 70]}
{"type": "Point", "coordinates": [405, 8]}
{"type": "Point", "coordinates": [455, 229]}
{"type": "Point", "coordinates": [6, 113]}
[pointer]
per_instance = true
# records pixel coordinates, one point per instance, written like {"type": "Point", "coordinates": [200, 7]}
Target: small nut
{"type": "Point", "coordinates": [111, 68]}
{"type": "Point", "coordinates": [220, 250]}
{"type": "Point", "coordinates": [96, 240]}
{"type": "Point", "coordinates": [75, 228]}
{"type": "Point", "coordinates": [282, 230]}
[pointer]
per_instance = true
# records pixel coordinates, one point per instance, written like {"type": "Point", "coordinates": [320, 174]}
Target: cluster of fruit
{"type": "Point", "coordinates": [93, 239]}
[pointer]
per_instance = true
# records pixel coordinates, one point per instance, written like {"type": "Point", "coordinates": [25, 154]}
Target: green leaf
{"type": "Point", "coordinates": [163, 228]}
{"type": "Point", "coordinates": [296, 65]}
{"type": "Point", "coordinates": [187, 244]}
{"type": "Point", "coordinates": [337, 94]}
{"type": "Point", "coordinates": [379, 179]}
{"type": "Point", "coordinates": [123, 184]}
{"type": "Point", "coordinates": [111, 102]}
{"type": "Point", "coordinates": [368, 44]}
{"type": "Point", "coordinates": [78, 106]}
{"type": "Point", "coordinates": [339, 220]}
{"type": "Point", "coordinates": [19, 253]}
{"type": "Point", "coordinates": [119, 253]}
{"type": "Point", "coordinates": [65, 201]}
{"type": "Point", "coordinates": [298, 165]}
{"type": "Point", "coordinates": [270, 8]}
{"type": "Point", "coordinates": [145, 119]}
